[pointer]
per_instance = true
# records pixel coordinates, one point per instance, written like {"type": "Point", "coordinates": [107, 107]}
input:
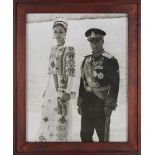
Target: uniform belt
{"type": "Point", "coordinates": [98, 88]}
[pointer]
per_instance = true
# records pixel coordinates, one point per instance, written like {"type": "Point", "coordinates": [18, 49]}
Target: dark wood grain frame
{"type": "Point", "coordinates": [132, 8]}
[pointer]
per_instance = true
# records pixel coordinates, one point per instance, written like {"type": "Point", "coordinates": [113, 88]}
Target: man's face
{"type": "Point", "coordinates": [96, 44]}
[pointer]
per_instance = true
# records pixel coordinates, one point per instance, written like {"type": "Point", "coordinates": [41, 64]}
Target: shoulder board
{"type": "Point", "coordinates": [107, 55]}
{"type": "Point", "coordinates": [85, 59]}
{"type": "Point", "coordinates": [88, 55]}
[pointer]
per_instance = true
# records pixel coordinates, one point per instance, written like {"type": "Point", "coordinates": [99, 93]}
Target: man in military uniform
{"type": "Point", "coordinates": [99, 86]}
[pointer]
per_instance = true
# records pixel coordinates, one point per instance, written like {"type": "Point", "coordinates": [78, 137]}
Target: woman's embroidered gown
{"type": "Point", "coordinates": [56, 119]}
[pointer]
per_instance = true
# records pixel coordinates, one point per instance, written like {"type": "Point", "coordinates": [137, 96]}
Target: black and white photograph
{"type": "Point", "coordinates": [76, 77]}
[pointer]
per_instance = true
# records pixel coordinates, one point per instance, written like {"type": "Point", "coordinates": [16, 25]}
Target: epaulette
{"type": "Point", "coordinates": [85, 57]}
{"type": "Point", "coordinates": [88, 55]}
{"type": "Point", "coordinates": [107, 55]}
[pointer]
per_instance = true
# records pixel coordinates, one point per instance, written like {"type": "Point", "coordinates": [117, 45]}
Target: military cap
{"type": "Point", "coordinates": [94, 33]}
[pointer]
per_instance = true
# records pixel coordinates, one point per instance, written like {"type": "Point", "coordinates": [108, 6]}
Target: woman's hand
{"type": "Point", "coordinates": [66, 96]}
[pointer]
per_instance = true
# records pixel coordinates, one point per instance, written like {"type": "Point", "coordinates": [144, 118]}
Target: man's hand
{"type": "Point", "coordinates": [107, 111]}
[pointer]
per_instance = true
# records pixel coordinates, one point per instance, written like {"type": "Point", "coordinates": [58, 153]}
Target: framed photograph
{"type": "Point", "coordinates": [77, 77]}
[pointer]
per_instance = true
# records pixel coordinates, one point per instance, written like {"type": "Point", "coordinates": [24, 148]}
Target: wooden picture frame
{"type": "Point", "coordinates": [132, 8]}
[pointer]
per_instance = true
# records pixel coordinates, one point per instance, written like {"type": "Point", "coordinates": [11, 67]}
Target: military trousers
{"type": "Point", "coordinates": [93, 118]}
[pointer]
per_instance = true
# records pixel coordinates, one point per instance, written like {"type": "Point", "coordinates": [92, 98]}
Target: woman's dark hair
{"type": "Point", "coordinates": [61, 26]}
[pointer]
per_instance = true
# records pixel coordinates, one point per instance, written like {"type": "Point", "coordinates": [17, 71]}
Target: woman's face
{"type": "Point", "coordinates": [59, 33]}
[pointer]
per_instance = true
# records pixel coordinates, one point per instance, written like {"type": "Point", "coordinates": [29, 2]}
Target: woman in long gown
{"type": "Point", "coordinates": [56, 117]}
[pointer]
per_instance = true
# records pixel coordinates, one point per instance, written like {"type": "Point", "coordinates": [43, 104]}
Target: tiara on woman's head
{"type": "Point", "coordinates": [61, 21]}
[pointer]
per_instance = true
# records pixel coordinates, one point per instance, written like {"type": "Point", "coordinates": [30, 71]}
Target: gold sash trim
{"type": "Point", "coordinates": [106, 88]}
{"type": "Point", "coordinates": [100, 92]}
